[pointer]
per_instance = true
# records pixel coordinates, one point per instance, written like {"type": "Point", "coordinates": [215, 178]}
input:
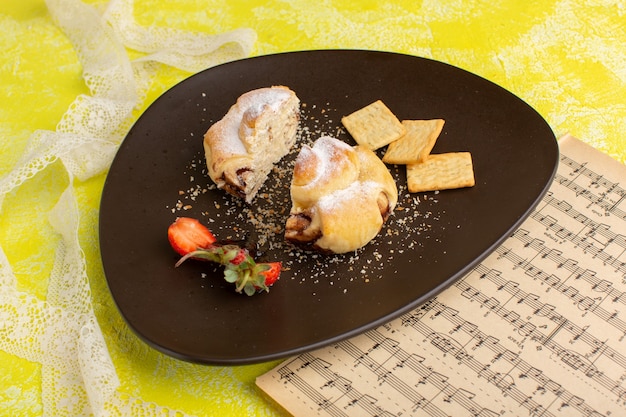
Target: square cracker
{"type": "Point", "coordinates": [373, 126]}
{"type": "Point", "coordinates": [417, 142]}
{"type": "Point", "coordinates": [441, 172]}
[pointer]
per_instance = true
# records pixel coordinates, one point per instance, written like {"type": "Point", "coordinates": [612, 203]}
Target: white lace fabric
{"type": "Point", "coordinates": [62, 333]}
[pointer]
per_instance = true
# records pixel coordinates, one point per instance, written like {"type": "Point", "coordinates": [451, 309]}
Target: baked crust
{"type": "Point", "coordinates": [341, 196]}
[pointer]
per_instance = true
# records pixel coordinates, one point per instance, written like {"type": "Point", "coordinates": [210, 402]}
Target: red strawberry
{"type": "Point", "coordinates": [192, 240]}
{"type": "Point", "coordinates": [240, 256]}
{"type": "Point", "coordinates": [187, 235]}
{"type": "Point", "coordinates": [273, 273]}
{"type": "Point", "coordinates": [251, 277]}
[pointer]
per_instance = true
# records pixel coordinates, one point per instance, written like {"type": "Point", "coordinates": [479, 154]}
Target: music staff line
{"type": "Point", "coordinates": [585, 237]}
{"type": "Point", "coordinates": [570, 265]}
{"type": "Point", "coordinates": [331, 406]}
{"type": "Point", "coordinates": [597, 181]}
{"type": "Point", "coordinates": [424, 375]}
{"type": "Point", "coordinates": [287, 375]}
{"type": "Point", "coordinates": [539, 309]}
{"type": "Point", "coordinates": [582, 301]}
{"type": "Point", "coordinates": [387, 376]}
{"type": "Point", "coordinates": [505, 382]}
{"type": "Point", "coordinates": [401, 358]}
{"type": "Point", "coordinates": [575, 360]}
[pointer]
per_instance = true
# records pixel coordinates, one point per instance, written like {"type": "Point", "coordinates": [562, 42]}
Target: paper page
{"type": "Point", "coordinates": [537, 329]}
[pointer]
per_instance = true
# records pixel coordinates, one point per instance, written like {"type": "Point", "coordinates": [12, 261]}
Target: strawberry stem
{"type": "Point", "coordinates": [244, 281]}
{"type": "Point", "coordinates": [240, 267]}
{"type": "Point", "coordinates": [199, 254]}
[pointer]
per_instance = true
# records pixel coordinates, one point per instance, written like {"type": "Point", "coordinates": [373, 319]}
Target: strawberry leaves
{"type": "Point", "coordinates": [240, 268]}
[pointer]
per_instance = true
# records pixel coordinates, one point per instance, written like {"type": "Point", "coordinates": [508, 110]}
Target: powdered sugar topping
{"type": "Point", "coordinates": [248, 106]}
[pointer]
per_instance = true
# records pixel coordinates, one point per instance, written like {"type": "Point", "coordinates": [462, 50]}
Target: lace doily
{"type": "Point", "coordinates": [62, 333]}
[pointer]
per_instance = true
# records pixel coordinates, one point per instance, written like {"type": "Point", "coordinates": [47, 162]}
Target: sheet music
{"type": "Point", "coordinates": [536, 329]}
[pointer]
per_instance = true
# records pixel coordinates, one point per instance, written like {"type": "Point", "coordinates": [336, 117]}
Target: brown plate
{"type": "Point", "coordinates": [433, 239]}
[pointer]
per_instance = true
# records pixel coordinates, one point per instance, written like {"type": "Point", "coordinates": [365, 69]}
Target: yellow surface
{"type": "Point", "coordinates": [565, 58]}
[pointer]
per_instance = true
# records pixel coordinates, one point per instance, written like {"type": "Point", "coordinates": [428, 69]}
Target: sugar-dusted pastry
{"type": "Point", "coordinates": [341, 196]}
{"type": "Point", "coordinates": [258, 130]}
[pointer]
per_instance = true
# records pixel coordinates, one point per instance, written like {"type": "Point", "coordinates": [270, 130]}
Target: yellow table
{"type": "Point", "coordinates": [566, 58]}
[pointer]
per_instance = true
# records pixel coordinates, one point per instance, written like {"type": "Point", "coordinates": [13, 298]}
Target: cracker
{"type": "Point", "coordinates": [373, 126]}
{"type": "Point", "coordinates": [417, 142]}
{"type": "Point", "coordinates": [441, 172]}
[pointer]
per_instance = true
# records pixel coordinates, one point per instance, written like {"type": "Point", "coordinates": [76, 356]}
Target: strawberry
{"type": "Point", "coordinates": [241, 256]}
{"type": "Point", "coordinates": [273, 273]}
{"type": "Point", "coordinates": [187, 235]}
{"type": "Point", "coordinates": [251, 277]}
{"type": "Point", "coordinates": [240, 268]}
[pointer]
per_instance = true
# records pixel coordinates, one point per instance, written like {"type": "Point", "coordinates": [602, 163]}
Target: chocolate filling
{"type": "Point", "coordinates": [384, 206]}
{"type": "Point", "coordinates": [297, 229]}
{"type": "Point", "coordinates": [237, 189]}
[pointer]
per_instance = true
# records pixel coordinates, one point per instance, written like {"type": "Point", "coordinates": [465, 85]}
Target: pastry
{"type": "Point", "coordinates": [256, 132]}
{"type": "Point", "coordinates": [341, 196]}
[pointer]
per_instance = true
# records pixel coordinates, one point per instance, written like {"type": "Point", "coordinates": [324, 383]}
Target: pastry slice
{"type": "Point", "coordinates": [258, 131]}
